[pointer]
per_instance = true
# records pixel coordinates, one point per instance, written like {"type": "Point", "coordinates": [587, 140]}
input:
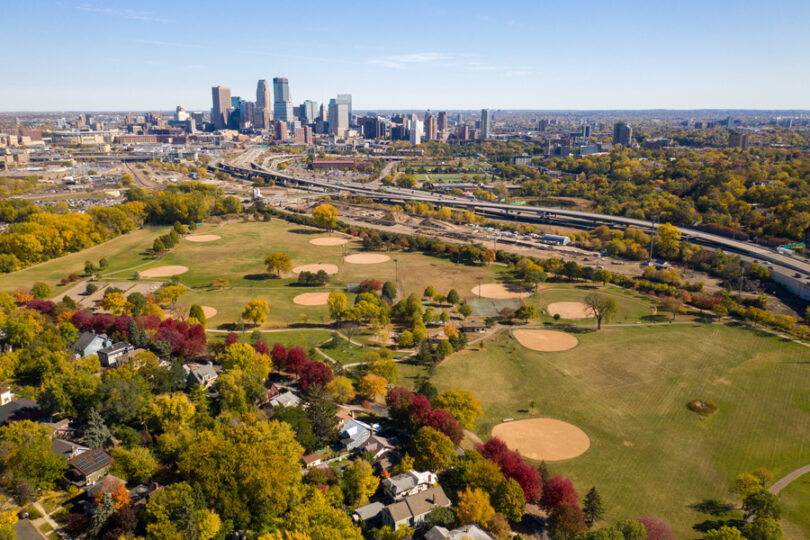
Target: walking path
{"type": "Point", "coordinates": [45, 517]}
{"type": "Point", "coordinates": [782, 483]}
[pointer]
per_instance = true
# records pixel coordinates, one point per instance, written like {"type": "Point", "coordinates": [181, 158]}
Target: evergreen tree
{"type": "Point", "coordinates": [592, 507]}
{"type": "Point", "coordinates": [133, 334]}
{"type": "Point", "coordinates": [102, 512]}
{"type": "Point", "coordinates": [321, 414]}
{"type": "Point", "coordinates": [96, 434]}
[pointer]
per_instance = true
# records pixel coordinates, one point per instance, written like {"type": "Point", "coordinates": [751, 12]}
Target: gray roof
{"type": "Point", "coordinates": [64, 448]}
{"type": "Point", "coordinates": [418, 505]}
{"type": "Point", "coordinates": [85, 340]}
{"type": "Point", "coordinates": [203, 372]}
{"type": "Point", "coordinates": [117, 347]}
{"type": "Point", "coordinates": [369, 511]}
{"type": "Point", "coordinates": [467, 532]}
{"type": "Point", "coordinates": [19, 408]}
{"type": "Point", "coordinates": [285, 399]}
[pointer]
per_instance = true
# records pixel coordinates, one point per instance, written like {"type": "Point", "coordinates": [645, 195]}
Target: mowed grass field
{"type": "Point", "coordinates": [124, 253]}
{"type": "Point", "coordinates": [630, 307]}
{"type": "Point", "coordinates": [627, 387]}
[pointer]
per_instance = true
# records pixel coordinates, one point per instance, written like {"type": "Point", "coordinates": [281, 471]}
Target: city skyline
{"type": "Point", "coordinates": [626, 55]}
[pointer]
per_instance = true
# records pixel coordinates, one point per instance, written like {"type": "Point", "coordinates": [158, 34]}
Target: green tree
{"type": "Point", "coordinates": [102, 512]}
{"type": "Point", "coordinates": [465, 310]}
{"type": "Point", "coordinates": [237, 356]}
{"type": "Point", "coordinates": [358, 483]}
{"type": "Point", "coordinates": [96, 434]}
{"type": "Point", "coordinates": [433, 450]}
{"type": "Point", "coordinates": [41, 290]}
{"type": "Point", "coordinates": [178, 512]}
{"type": "Point", "coordinates": [387, 369]}
{"type": "Point", "coordinates": [592, 507]}
{"type": "Point", "coordinates": [509, 500]}
{"type": "Point", "coordinates": [723, 533]}
{"type": "Point", "coordinates": [136, 465]}
{"type": "Point", "coordinates": [314, 517]}
{"type": "Point", "coordinates": [763, 504]}
{"type": "Point", "coordinates": [278, 263]}
{"type": "Point", "coordinates": [25, 454]}
{"type": "Point", "coordinates": [763, 528]}
{"type": "Point", "coordinates": [197, 315]}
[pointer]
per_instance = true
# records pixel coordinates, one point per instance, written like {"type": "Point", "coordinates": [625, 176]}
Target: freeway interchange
{"type": "Point", "coordinates": [795, 269]}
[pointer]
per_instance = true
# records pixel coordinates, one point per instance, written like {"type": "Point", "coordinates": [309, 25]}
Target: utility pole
{"type": "Point", "coordinates": [652, 236]}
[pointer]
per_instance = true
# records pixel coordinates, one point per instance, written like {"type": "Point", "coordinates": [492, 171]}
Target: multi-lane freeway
{"type": "Point", "coordinates": [795, 271]}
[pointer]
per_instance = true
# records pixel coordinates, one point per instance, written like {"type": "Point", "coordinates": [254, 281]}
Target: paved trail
{"type": "Point", "coordinates": [782, 483]}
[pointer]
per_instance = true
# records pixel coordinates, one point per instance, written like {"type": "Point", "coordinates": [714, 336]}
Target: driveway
{"type": "Point", "coordinates": [26, 531]}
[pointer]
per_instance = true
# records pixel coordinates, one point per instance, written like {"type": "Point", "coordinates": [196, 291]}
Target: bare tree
{"type": "Point", "coordinates": [603, 307]}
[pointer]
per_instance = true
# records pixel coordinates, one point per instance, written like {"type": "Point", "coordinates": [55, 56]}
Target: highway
{"type": "Point", "coordinates": [559, 216]}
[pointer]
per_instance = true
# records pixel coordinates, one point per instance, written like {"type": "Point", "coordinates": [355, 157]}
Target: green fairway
{"type": "Point", "coordinates": [305, 339]}
{"type": "Point", "coordinates": [124, 252]}
{"type": "Point", "coordinates": [627, 388]}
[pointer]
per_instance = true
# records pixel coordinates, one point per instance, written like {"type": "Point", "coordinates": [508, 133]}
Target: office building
{"type": "Point", "coordinates": [542, 124]}
{"type": "Point", "coordinates": [180, 114]}
{"type": "Point", "coordinates": [263, 98]}
{"type": "Point", "coordinates": [586, 131]}
{"type": "Point", "coordinates": [622, 133]}
{"type": "Point", "coordinates": [417, 128]}
{"type": "Point", "coordinates": [247, 111]}
{"type": "Point", "coordinates": [280, 133]}
{"type": "Point", "coordinates": [486, 124]}
{"type": "Point", "coordinates": [338, 117]}
{"type": "Point", "coordinates": [308, 111]}
{"type": "Point", "coordinates": [282, 106]}
{"type": "Point", "coordinates": [443, 122]}
{"type": "Point", "coordinates": [373, 127]}
{"type": "Point", "coordinates": [347, 100]}
{"type": "Point", "coordinates": [222, 102]}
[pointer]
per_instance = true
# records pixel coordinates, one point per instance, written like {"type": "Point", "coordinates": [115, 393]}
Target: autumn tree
{"type": "Point", "coordinates": [386, 368]}
{"type": "Point", "coordinates": [474, 507]}
{"type": "Point", "coordinates": [433, 450]}
{"type": "Point", "coordinates": [338, 304]}
{"type": "Point", "coordinates": [565, 522]}
{"type": "Point", "coordinates": [358, 483]}
{"type": "Point", "coordinates": [370, 386]}
{"type": "Point", "coordinates": [278, 263]}
{"type": "Point", "coordinates": [460, 403]}
{"type": "Point", "coordinates": [341, 388]}
{"type": "Point", "coordinates": [178, 512]}
{"type": "Point", "coordinates": [196, 315]}
{"type": "Point", "coordinates": [26, 454]}
{"type": "Point", "coordinates": [557, 491]}
{"type": "Point", "coordinates": [602, 307]}
{"type": "Point", "coordinates": [237, 356]}
{"type": "Point", "coordinates": [256, 311]}
{"type": "Point", "coordinates": [325, 216]}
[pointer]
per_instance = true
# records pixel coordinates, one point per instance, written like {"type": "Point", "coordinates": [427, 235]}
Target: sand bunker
{"type": "Point", "coordinates": [570, 310]}
{"type": "Point", "coordinates": [328, 268]}
{"type": "Point", "coordinates": [311, 299]}
{"type": "Point", "coordinates": [328, 241]}
{"type": "Point", "coordinates": [545, 340]}
{"type": "Point", "coordinates": [367, 258]}
{"type": "Point", "coordinates": [499, 291]}
{"type": "Point", "coordinates": [163, 271]}
{"type": "Point", "coordinates": [543, 439]}
{"type": "Point", "coordinates": [202, 237]}
{"type": "Point", "coordinates": [208, 311]}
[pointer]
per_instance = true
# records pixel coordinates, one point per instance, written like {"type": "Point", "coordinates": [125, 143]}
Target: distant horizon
{"type": "Point", "coordinates": [516, 55]}
{"type": "Point", "coordinates": [357, 110]}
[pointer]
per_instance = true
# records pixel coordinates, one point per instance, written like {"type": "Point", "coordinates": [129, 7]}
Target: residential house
{"type": "Point", "coordinates": [377, 446]}
{"type": "Point", "coordinates": [202, 374]}
{"type": "Point", "coordinates": [312, 460]}
{"type": "Point", "coordinates": [408, 483]}
{"type": "Point", "coordinates": [67, 449]}
{"type": "Point", "coordinates": [115, 354]}
{"type": "Point", "coordinates": [6, 395]}
{"type": "Point", "coordinates": [413, 510]}
{"type": "Point", "coordinates": [467, 532]}
{"type": "Point", "coordinates": [19, 409]}
{"type": "Point", "coordinates": [473, 327]}
{"type": "Point", "coordinates": [285, 399]}
{"type": "Point", "coordinates": [88, 467]}
{"type": "Point", "coordinates": [90, 343]}
{"type": "Point", "coordinates": [354, 433]}
{"type": "Point", "coordinates": [369, 514]}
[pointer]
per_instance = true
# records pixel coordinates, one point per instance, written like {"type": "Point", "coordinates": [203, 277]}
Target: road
{"type": "Point", "coordinates": [573, 218]}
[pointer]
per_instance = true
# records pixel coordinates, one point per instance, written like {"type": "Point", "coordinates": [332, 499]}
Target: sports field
{"type": "Point", "coordinates": [627, 387]}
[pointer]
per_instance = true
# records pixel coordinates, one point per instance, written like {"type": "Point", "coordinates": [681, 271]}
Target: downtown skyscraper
{"type": "Point", "coordinates": [220, 110]}
{"type": "Point", "coordinates": [263, 112]}
{"type": "Point", "coordinates": [282, 106]}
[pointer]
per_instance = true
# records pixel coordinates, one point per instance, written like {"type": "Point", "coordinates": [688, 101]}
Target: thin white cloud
{"type": "Point", "coordinates": [124, 13]}
{"type": "Point", "coordinates": [401, 61]}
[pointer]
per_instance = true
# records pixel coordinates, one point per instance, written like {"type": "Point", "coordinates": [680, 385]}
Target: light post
{"type": "Point", "coordinates": [479, 288]}
{"type": "Point", "coordinates": [396, 272]}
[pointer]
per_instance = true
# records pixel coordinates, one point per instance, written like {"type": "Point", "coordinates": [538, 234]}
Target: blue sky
{"type": "Point", "coordinates": [609, 54]}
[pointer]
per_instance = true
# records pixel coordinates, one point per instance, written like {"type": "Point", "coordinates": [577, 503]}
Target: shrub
{"type": "Point", "coordinates": [702, 407]}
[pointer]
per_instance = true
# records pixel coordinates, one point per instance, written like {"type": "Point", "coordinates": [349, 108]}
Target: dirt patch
{"type": "Point", "coordinates": [545, 340]}
{"type": "Point", "coordinates": [312, 299]}
{"type": "Point", "coordinates": [202, 237]}
{"type": "Point", "coordinates": [314, 268]}
{"type": "Point", "coordinates": [570, 310]}
{"type": "Point", "coordinates": [543, 439]}
{"type": "Point", "coordinates": [367, 258]}
{"type": "Point", "coordinates": [498, 291]}
{"type": "Point", "coordinates": [209, 311]}
{"type": "Point", "coordinates": [164, 271]}
{"type": "Point", "coordinates": [328, 241]}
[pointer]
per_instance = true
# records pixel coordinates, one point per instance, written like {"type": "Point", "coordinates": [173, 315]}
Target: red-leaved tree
{"type": "Point", "coordinates": [443, 421]}
{"type": "Point", "coordinates": [296, 358]}
{"type": "Point", "coordinates": [558, 491]}
{"type": "Point", "coordinates": [399, 399]}
{"type": "Point", "coordinates": [566, 521]}
{"type": "Point", "coordinates": [279, 356]}
{"type": "Point", "coordinates": [231, 338]}
{"type": "Point", "coordinates": [261, 347]}
{"type": "Point", "coordinates": [314, 373]}
{"type": "Point", "coordinates": [513, 466]}
{"type": "Point", "coordinates": [657, 528]}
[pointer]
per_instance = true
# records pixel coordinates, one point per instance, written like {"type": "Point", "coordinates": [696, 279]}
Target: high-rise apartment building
{"type": "Point", "coordinates": [622, 133]}
{"type": "Point", "coordinates": [486, 123]}
{"type": "Point", "coordinates": [431, 128]}
{"type": "Point", "coordinates": [542, 124]}
{"type": "Point", "coordinates": [221, 103]}
{"type": "Point", "coordinates": [282, 106]}
{"type": "Point", "coordinates": [738, 140]}
{"type": "Point", "coordinates": [586, 131]}
{"type": "Point", "coordinates": [417, 128]}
